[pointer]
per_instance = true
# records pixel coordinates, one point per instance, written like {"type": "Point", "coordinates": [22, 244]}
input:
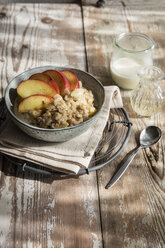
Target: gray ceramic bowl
{"type": "Point", "coordinates": [62, 134]}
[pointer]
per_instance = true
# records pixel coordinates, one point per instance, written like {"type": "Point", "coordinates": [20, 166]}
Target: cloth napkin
{"type": "Point", "coordinates": [70, 156]}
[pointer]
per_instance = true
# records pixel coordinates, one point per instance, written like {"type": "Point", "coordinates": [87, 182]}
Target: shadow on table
{"type": "Point", "coordinates": [31, 171]}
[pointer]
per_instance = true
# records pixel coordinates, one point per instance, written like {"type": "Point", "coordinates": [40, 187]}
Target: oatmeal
{"type": "Point", "coordinates": [68, 110]}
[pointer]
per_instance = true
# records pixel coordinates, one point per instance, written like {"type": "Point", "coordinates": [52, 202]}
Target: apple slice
{"type": "Point", "coordinates": [41, 76]}
{"type": "Point", "coordinates": [55, 85]}
{"type": "Point", "coordinates": [34, 86]}
{"type": "Point", "coordinates": [60, 79]}
{"type": "Point", "coordinates": [34, 102]}
{"type": "Point", "coordinates": [72, 78]}
{"type": "Point", "coordinates": [46, 78]}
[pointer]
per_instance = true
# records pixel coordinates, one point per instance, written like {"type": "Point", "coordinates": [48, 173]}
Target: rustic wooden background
{"type": "Point", "coordinates": [40, 1]}
{"type": "Point", "coordinates": [38, 212]}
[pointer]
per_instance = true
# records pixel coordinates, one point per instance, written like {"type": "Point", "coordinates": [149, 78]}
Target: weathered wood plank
{"type": "Point", "coordinates": [35, 211]}
{"type": "Point", "coordinates": [38, 1]}
{"type": "Point", "coordinates": [133, 211]}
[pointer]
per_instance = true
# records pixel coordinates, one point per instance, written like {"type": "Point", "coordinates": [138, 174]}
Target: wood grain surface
{"type": "Point", "coordinates": [36, 211]}
{"type": "Point", "coordinates": [133, 211]}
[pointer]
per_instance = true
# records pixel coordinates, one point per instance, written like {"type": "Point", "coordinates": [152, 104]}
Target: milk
{"type": "Point", "coordinates": [124, 71]}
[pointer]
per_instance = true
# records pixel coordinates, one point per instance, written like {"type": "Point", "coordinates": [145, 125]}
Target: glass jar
{"type": "Point", "coordinates": [147, 99]}
{"type": "Point", "coordinates": [131, 52]}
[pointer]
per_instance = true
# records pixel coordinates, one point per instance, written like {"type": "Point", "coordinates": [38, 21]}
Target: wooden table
{"type": "Point", "coordinates": [35, 212]}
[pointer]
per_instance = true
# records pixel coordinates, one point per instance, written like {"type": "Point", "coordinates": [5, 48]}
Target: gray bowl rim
{"type": "Point", "coordinates": [58, 129]}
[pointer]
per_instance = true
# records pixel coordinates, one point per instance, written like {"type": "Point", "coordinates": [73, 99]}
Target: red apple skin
{"type": "Point", "coordinates": [55, 85]}
{"type": "Point", "coordinates": [34, 102]}
{"type": "Point", "coordinates": [72, 78]}
{"type": "Point", "coordinates": [41, 76]}
{"type": "Point", "coordinates": [34, 86]}
{"type": "Point", "coordinates": [60, 79]}
{"type": "Point", "coordinates": [45, 77]}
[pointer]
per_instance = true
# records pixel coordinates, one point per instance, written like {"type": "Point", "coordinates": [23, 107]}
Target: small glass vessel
{"type": "Point", "coordinates": [132, 51]}
{"type": "Point", "coordinates": [147, 99]}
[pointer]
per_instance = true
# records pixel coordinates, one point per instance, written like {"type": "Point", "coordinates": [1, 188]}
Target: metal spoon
{"type": "Point", "coordinates": [148, 137]}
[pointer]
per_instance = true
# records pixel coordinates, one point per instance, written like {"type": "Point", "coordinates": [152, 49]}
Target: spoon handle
{"type": "Point", "coordinates": [122, 169]}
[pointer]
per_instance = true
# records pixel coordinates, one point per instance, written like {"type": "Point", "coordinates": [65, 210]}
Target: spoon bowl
{"type": "Point", "coordinates": [150, 136]}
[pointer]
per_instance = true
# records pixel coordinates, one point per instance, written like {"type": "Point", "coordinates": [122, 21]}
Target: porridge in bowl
{"type": "Point", "coordinates": [54, 99]}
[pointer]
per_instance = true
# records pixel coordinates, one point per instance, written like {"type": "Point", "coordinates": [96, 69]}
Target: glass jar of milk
{"type": "Point", "coordinates": [132, 51]}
